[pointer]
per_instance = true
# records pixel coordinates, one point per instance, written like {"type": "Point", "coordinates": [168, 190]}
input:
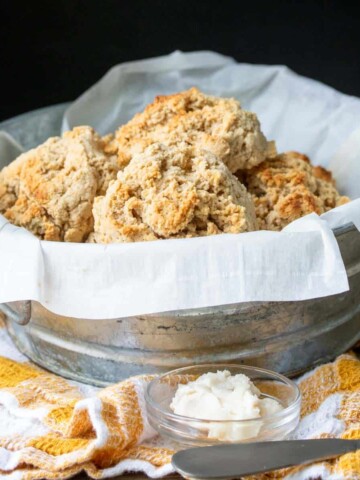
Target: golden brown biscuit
{"type": "Point", "coordinates": [29, 214]}
{"type": "Point", "coordinates": [9, 182]}
{"type": "Point", "coordinates": [217, 124]}
{"type": "Point", "coordinates": [323, 174]}
{"type": "Point", "coordinates": [328, 194]}
{"type": "Point", "coordinates": [106, 166]}
{"type": "Point", "coordinates": [288, 187]}
{"type": "Point", "coordinates": [172, 192]}
{"type": "Point", "coordinates": [57, 184]}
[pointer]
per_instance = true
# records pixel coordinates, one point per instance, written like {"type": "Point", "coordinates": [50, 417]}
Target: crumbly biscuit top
{"type": "Point", "coordinates": [288, 187]}
{"type": "Point", "coordinates": [105, 166]}
{"type": "Point", "coordinates": [171, 192]}
{"type": "Point", "coordinates": [217, 124]}
{"type": "Point", "coordinates": [57, 183]}
{"type": "Point", "coordinates": [9, 182]}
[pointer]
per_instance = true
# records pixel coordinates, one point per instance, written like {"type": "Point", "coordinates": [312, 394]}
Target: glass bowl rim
{"type": "Point", "coordinates": [276, 416]}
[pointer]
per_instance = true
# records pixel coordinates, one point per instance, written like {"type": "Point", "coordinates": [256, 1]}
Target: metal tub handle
{"type": "Point", "coordinates": [21, 314]}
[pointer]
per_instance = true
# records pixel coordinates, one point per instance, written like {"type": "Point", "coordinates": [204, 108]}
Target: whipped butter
{"type": "Point", "coordinates": [221, 396]}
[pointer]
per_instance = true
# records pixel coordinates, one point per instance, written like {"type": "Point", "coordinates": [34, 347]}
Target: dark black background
{"type": "Point", "coordinates": [51, 51]}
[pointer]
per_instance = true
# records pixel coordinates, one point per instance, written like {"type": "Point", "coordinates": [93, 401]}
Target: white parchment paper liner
{"type": "Point", "coordinates": [301, 262]}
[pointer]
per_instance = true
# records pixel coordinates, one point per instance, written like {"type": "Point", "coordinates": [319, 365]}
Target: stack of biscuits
{"type": "Point", "coordinates": [189, 165]}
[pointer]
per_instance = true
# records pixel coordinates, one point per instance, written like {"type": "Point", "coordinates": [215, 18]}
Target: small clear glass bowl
{"type": "Point", "coordinates": [191, 431]}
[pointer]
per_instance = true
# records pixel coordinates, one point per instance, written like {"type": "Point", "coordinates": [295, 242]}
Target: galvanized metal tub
{"type": "Point", "coordinates": [288, 337]}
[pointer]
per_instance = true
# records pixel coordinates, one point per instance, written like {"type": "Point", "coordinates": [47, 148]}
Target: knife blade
{"type": "Point", "coordinates": [235, 460]}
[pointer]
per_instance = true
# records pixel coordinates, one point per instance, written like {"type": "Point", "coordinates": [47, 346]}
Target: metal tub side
{"type": "Point", "coordinates": [288, 337]}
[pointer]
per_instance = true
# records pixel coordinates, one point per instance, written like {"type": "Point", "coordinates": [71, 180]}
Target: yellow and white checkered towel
{"type": "Point", "coordinates": [53, 428]}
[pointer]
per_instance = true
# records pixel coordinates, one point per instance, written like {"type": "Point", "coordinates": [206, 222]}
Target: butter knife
{"type": "Point", "coordinates": [236, 460]}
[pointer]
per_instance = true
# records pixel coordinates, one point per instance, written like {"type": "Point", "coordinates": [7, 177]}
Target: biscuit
{"type": "Point", "coordinates": [217, 124]}
{"type": "Point", "coordinates": [172, 192]}
{"type": "Point", "coordinates": [9, 182]}
{"type": "Point", "coordinates": [288, 187]}
{"type": "Point", "coordinates": [105, 166]}
{"type": "Point", "coordinates": [57, 184]}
